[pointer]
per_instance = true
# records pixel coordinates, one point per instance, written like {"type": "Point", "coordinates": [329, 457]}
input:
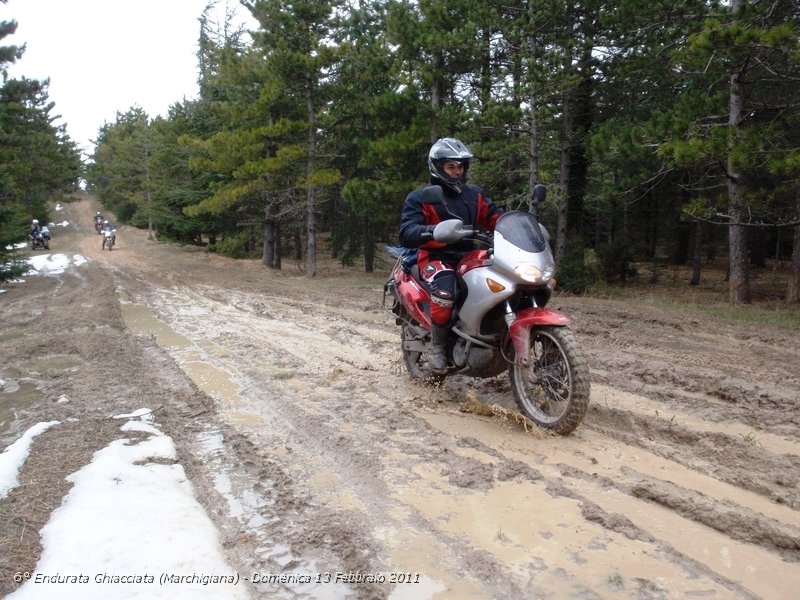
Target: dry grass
{"type": "Point", "coordinates": [711, 297]}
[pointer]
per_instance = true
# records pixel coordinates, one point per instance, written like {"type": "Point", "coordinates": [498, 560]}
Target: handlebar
{"type": "Point", "coordinates": [484, 237]}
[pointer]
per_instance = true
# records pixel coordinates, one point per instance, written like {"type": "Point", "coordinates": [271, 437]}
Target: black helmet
{"type": "Point", "coordinates": [449, 149]}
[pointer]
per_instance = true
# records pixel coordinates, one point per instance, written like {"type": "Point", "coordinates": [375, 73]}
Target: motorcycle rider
{"type": "Point", "coordinates": [448, 162]}
{"type": "Point", "coordinates": [35, 228]}
{"type": "Point", "coordinates": [106, 228]}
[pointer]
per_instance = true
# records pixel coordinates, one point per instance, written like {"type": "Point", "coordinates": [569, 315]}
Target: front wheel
{"type": "Point", "coordinates": [553, 390]}
{"type": "Point", "coordinates": [416, 361]}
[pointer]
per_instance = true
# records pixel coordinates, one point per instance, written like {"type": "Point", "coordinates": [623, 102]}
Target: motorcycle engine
{"type": "Point", "coordinates": [479, 362]}
{"type": "Point", "coordinates": [475, 358]}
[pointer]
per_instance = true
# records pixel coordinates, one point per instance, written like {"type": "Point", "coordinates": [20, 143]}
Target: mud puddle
{"type": "Point", "coordinates": [250, 501]}
{"type": "Point", "coordinates": [601, 475]}
{"type": "Point", "coordinates": [16, 398]}
{"type": "Point", "coordinates": [247, 494]}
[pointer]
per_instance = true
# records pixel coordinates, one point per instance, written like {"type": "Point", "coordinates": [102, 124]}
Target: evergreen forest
{"type": "Point", "coordinates": [665, 131]}
{"type": "Point", "coordinates": [38, 160]}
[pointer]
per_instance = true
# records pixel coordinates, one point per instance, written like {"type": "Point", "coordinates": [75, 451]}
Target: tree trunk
{"type": "Point", "coordinates": [485, 81]}
{"type": "Point", "coordinates": [739, 273]}
{"type": "Point", "coordinates": [278, 247]}
{"type": "Point", "coordinates": [653, 232]}
{"type": "Point", "coordinates": [697, 253]}
{"type": "Point", "coordinates": [437, 92]}
{"type": "Point", "coordinates": [793, 290]}
{"type": "Point", "coordinates": [369, 247]}
{"type": "Point", "coordinates": [268, 248]}
{"type": "Point", "coordinates": [298, 245]}
{"type": "Point", "coordinates": [272, 245]}
{"type": "Point", "coordinates": [566, 143]}
{"type": "Point", "coordinates": [311, 202]}
{"type": "Point", "coordinates": [533, 102]}
{"type": "Point", "coordinates": [739, 283]}
{"type": "Point", "coordinates": [148, 197]}
{"type": "Point", "coordinates": [623, 276]}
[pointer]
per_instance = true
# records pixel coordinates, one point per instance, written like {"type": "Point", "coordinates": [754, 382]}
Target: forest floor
{"type": "Point", "coordinates": [313, 451]}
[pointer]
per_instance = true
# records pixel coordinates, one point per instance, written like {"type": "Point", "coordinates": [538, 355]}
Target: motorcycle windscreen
{"type": "Point", "coordinates": [521, 229]}
{"type": "Point", "coordinates": [521, 248]}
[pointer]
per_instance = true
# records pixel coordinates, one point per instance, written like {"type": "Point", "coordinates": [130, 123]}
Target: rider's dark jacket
{"type": "Point", "coordinates": [472, 206]}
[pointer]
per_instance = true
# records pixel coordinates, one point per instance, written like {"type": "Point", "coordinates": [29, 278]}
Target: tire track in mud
{"type": "Point", "coordinates": [632, 505]}
{"type": "Point", "coordinates": [696, 365]}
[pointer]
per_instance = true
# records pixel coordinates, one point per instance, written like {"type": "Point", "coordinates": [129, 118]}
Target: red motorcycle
{"type": "Point", "coordinates": [500, 321]}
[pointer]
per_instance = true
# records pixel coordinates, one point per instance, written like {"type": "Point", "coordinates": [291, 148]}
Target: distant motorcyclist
{"type": "Point", "coordinates": [39, 235]}
{"type": "Point", "coordinates": [107, 229]}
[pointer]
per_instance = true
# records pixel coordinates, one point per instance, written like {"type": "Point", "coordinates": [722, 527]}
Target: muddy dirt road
{"type": "Point", "coordinates": [314, 453]}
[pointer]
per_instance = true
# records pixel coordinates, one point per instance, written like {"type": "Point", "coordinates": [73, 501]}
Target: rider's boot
{"type": "Point", "coordinates": [437, 357]}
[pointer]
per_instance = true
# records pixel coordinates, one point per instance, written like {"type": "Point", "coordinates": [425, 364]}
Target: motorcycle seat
{"type": "Point", "coordinates": [410, 261]}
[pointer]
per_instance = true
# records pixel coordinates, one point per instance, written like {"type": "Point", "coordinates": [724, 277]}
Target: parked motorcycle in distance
{"type": "Point", "coordinates": [109, 238]}
{"type": "Point", "coordinates": [500, 321]}
{"type": "Point", "coordinates": [41, 239]}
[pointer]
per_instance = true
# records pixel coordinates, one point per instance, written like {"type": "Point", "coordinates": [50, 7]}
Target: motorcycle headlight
{"type": "Point", "coordinates": [533, 274]}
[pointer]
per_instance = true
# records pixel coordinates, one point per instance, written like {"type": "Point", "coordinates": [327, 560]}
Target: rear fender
{"type": "Point", "coordinates": [527, 319]}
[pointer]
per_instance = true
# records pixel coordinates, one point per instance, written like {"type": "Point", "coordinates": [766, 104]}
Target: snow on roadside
{"type": "Point", "coordinates": [13, 457]}
{"type": "Point", "coordinates": [131, 527]}
{"type": "Point", "coordinates": [52, 264]}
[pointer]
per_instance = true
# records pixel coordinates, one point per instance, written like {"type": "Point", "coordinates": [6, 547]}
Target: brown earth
{"type": "Point", "coordinates": [314, 452]}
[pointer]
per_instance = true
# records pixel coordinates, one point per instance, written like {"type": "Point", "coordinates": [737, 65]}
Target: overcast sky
{"type": "Point", "coordinates": [106, 56]}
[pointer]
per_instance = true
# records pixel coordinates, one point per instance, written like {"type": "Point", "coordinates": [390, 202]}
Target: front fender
{"type": "Point", "coordinates": [527, 319]}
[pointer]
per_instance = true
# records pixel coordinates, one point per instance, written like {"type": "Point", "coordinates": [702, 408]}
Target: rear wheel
{"type": "Point", "coordinates": [553, 390]}
{"type": "Point", "coordinates": [417, 361]}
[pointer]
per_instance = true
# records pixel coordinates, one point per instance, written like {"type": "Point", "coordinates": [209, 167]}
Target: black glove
{"type": "Point", "coordinates": [426, 235]}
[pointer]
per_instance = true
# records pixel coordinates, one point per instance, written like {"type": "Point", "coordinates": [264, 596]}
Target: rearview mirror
{"type": "Point", "coordinates": [539, 194]}
{"type": "Point", "coordinates": [432, 195]}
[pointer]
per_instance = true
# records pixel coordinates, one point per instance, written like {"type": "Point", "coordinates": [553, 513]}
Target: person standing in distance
{"type": "Point", "coordinates": [448, 162]}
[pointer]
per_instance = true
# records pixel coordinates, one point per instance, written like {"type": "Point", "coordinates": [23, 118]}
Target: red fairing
{"type": "Point", "coordinates": [473, 260]}
{"type": "Point", "coordinates": [412, 294]}
{"type": "Point", "coordinates": [520, 329]}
